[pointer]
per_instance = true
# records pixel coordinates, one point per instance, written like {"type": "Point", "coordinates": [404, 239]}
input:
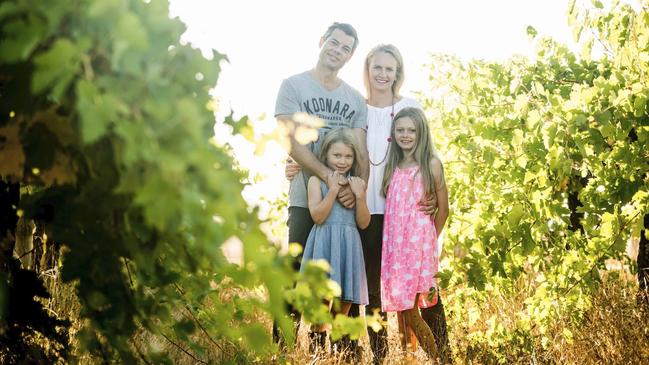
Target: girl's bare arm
{"type": "Point", "coordinates": [359, 187]}
{"type": "Point", "coordinates": [320, 206]}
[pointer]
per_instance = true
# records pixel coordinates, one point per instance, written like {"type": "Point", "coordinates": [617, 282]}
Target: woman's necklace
{"type": "Point", "coordinates": [389, 140]}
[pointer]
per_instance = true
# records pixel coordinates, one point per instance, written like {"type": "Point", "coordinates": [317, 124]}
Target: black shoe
{"type": "Point", "coordinates": [378, 345]}
{"type": "Point", "coordinates": [317, 342]}
{"type": "Point", "coordinates": [357, 353]}
{"type": "Point", "coordinates": [349, 350]}
{"type": "Point", "coordinates": [277, 337]}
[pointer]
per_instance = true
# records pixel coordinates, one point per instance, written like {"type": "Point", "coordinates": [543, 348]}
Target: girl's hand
{"type": "Point", "coordinates": [358, 186]}
{"type": "Point", "coordinates": [428, 205]}
{"type": "Point", "coordinates": [335, 180]}
{"type": "Point", "coordinates": [291, 169]}
{"type": "Point", "coordinates": [340, 185]}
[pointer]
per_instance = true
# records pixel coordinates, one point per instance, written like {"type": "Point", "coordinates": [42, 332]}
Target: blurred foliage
{"type": "Point", "coordinates": [107, 112]}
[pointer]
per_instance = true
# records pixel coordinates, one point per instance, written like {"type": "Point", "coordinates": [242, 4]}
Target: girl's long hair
{"type": "Point", "coordinates": [400, 76]}
{"type": "Point", "coordinates": [424, 150]}
{"type": "Point", "coordinates": [348, 138]}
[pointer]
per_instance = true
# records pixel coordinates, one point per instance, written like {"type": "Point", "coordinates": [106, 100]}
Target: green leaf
{"type": "Point", "coordinates": [476, 276]}
{"type": "Point", "coordinates": [496, 266]}
{"type": "Point", "coordinates": [7, 9]}
{"type": "Point", "coordinates": [514, 216]}
{"type": "Point", "coordinates": [606, 230]}
{"type": "Point", "coordinates": [517, 138]}
{"type": "Point", "coordinates": [56, 67]}
{"type": "Point", "coordinates": [184, 328]}
{"type": "Point", "coordinates": [521, 161]}
{"type": "Point", "coordinates": [97, 300]}
{"type": "Point", "coordinates": [521, 104]}
{"type": "Point", "coordinates": [640, 106]}
{"type": "Point", "coordinates": [27, 32]}
{"type": "Point", "coordinates": [533, 118]}
{"type": "Point", "coordinates": [129, 41]}
{"type": "Point", "coordinates": [130, 30]}
{"type": "Point", "coordinates": [97, 111]}
{"type": "Point", "coordinates": [105, 8]}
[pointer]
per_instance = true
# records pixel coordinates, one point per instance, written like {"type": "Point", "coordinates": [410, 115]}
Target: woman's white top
{"type": "Point", "coordinates": [379, 123]}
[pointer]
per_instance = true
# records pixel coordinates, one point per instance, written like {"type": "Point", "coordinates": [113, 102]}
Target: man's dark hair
{"type": "Point", "coordinates": [346, 28]}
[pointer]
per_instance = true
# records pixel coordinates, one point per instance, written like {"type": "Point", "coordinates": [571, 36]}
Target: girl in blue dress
{"type": "Point", "coordinates": [335, 237]}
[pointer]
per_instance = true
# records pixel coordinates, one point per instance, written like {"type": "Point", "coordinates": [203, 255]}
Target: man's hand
{"type": "Point", "coordinates": [291, 169]}
{"type": "Point", "coordinates": [428, 205]}
{"type": "Point", "coordinates": [345, 196]}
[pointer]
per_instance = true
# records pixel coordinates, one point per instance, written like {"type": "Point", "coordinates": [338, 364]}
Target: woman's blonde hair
{"type": "Point", "coordinates": [392, 51]}
{"type": "Point", "coordinates": [424, 150]}
{"type": "Point", "coordinates": [346, 137]}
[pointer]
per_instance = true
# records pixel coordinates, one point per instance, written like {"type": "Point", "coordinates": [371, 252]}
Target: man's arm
{"type": "Point", "coordinates": [303, 156]}
{"type": "Point", "coordinates": [363, 159]}
{"type": "Point", "coordinates": [287, 103]}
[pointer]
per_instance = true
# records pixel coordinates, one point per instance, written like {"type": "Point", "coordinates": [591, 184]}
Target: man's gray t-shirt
{"type": "Point", "coordinates": [341, 107]}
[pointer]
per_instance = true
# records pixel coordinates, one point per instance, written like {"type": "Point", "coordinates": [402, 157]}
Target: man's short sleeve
{"type": "Point", "coordinates": [360, 120]}
{"type": "Point", "coordinates": [287, 100]}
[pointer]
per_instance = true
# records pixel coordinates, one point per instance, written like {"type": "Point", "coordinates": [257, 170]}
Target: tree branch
{"type": "Point", "coordinates": [183, 350]}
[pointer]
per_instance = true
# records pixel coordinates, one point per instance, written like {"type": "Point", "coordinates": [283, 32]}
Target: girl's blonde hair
{"type": "Point", "coordinates": [424, 150]}
{"type": "Point", "coordinates": [392, 51]}
{"type": "Point", "coordinates": [346, 137]}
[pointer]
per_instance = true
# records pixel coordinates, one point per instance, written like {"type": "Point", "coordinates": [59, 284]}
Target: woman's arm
{"type": "Point", "coordinates": [320, 206]}
{"type": "Point", "coordinates": [359, 189]}
{"type": "Point", "coordinates": [442, 195]}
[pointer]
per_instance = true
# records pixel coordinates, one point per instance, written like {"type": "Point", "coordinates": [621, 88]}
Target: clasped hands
{"type": "Point", "coordinates": [335, 180]}
{"type": "Point", "coordinates": [348, 188]}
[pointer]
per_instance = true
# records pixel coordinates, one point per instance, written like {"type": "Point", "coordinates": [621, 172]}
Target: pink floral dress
{"type": "Point", "coordinates": [408, 263]}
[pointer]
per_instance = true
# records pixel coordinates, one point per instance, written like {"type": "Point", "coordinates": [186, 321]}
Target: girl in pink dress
{"type": "Point", "coordinates": [409, 263]}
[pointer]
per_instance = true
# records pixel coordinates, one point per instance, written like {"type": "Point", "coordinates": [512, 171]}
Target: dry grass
{"type": "Point", "coordinates": [615, 331]}
{"type": "Point", "coordinates": [301, 355]}
{"type": "Point", "coordinates": [64, 304]}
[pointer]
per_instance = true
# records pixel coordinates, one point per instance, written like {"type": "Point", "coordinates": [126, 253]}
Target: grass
{"type": "Point", "coordinates": [615, 330]}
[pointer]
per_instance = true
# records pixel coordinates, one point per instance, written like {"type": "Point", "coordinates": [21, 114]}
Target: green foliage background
{"type": "Point", "coordinates": [547, 163]}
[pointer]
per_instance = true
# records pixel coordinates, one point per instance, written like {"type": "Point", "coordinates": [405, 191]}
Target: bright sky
{"type": "Point", "coordinates": [267, 41]}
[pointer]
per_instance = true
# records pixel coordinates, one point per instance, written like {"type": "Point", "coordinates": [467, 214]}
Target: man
{"type": "Point", "coordinates": [321, 93]}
